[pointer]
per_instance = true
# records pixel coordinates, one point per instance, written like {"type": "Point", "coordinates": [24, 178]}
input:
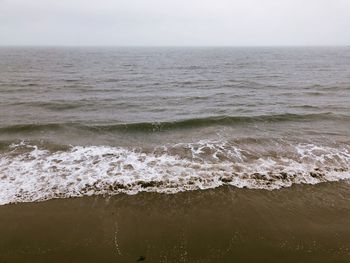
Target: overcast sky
{"type": "Point", "coordinates": [175, 22]}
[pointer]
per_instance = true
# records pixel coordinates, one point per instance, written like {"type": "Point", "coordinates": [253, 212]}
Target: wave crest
{"type": "Point", "coordinates": [29, 173]}
{"type": "Point", "coordinates": [170, 125]}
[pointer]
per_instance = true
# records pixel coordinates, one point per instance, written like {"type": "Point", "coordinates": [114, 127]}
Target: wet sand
{"type": "Point", "coordinates": [298, 224]}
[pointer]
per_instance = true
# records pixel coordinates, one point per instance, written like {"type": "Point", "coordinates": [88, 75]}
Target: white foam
{"type": "Point", "coordinates": [37, 174]}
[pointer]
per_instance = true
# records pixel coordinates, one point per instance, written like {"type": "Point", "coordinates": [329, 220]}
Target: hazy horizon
{"type": "Point", "coordinates": [173, 46]}
{"type": "Point", "coordinates": [182, 23]}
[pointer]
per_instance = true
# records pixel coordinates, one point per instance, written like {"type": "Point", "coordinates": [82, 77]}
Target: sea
{"type": "Point", "coordinates": [103, 121]}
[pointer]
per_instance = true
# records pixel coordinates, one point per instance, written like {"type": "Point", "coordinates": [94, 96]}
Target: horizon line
{"type": "Point", "coordinates": [171, 46]}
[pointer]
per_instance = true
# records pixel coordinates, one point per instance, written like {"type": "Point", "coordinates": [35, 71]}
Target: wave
{"type": "Point", "coordinates": [171, 125]}
{"type": "Point", "coordinates": [31, 173]}
{"type": "Point", "coordinates": [54, 106]}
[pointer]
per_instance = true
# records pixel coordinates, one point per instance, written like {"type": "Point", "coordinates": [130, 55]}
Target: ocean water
{"type": "Point", "coordinates": [103, 121]}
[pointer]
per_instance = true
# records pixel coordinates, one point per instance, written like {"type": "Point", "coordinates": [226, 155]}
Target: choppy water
{"type": "Point", "coordinates": [84, 121]}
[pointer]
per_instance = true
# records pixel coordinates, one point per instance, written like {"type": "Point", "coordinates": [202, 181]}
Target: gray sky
{"type": "Point", "coordinates": [175, 22]}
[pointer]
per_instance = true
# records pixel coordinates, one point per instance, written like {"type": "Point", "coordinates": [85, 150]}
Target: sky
{"type": "Point", "coordinates": [175, 22]}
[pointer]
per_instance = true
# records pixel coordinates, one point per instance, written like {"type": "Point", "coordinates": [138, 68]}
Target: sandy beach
{"type": "Point", "coordinates": [298, 224]}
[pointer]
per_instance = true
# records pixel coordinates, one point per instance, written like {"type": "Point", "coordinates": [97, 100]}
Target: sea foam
{"type": "Point", "coordinates": [31, 173]}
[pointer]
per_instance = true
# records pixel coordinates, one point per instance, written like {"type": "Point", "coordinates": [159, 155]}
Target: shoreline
{"type": "Point", "coordinates": [303, 223]}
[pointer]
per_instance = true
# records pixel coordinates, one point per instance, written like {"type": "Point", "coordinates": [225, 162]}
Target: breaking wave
{"type": "Point", "coordinates": [32, 173]}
